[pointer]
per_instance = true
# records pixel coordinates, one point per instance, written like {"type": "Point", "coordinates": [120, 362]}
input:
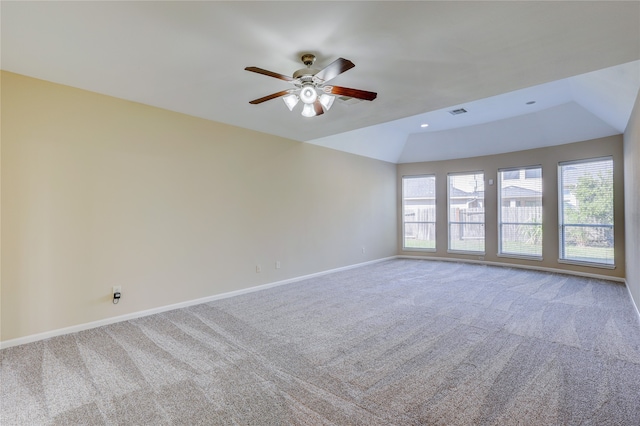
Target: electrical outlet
{"type": "Point", "coordinates": [258, 269]}
{"type": "Point", "coordinates": [116, 294]}
{"type": "Point", "coordinates": [362, 250]}
{"type": "Point", "coordinates": [278, 264]}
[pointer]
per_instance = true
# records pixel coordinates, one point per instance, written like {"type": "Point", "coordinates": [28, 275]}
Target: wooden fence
{"type": "Point", "coordinates": [519, 223]}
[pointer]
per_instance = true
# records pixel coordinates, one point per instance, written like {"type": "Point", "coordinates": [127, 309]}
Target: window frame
{"type": "Point", "coordinates": [561, 211]}
{"type": "Point", "coordinates": [499, 179]}
{"type": "Point", "coordinates": [484, 218]}
{"type": "Point", "coordinates": [404, 221]}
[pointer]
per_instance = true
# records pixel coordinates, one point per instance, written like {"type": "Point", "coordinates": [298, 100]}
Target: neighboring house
{"type": "Point", "coordinates": [521, 188]}
{"type": "Point", "coordinates": [519, 193]}
{"type": "Point", "coordinates": [515, 196]}
{"type": "Point", "coordinates": [422, 192]}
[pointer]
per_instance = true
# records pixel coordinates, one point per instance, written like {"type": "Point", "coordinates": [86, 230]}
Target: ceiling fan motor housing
{"type": "Point", "coordinates": [306, 74]}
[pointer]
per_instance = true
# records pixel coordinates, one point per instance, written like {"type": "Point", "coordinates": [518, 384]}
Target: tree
{"type": "Point", "coordinates": [594, 199]}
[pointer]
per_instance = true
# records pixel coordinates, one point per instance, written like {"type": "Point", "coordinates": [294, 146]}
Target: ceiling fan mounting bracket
{"type": "Point", "coordinates": [308, 59]}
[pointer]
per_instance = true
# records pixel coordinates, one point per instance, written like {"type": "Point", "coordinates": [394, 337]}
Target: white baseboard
{"type": "Point", "coordinates": [94, 324]}
{"type": "Point", "coordinates": [515, 265]}
{"type": "Point", "coordinates": [633, 302]}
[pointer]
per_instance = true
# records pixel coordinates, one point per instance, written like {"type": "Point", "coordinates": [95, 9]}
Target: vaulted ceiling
{"type": "Point", "coordinates": [579, 62]}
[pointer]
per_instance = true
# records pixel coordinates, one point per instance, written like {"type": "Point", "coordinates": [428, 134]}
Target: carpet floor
{"type": "Point", "coordinates": [400, 342]}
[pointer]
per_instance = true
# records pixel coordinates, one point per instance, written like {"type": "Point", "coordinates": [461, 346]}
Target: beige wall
{"type": "Point", "coordinates": [632, 200]}
{"type": "Point", "coordinates": [548, 158]}
{"type": "Point", "coordinates": [98, 192]}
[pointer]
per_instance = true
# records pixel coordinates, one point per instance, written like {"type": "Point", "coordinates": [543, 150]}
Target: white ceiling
{"type": "Point", "coordinates": [580, 62]}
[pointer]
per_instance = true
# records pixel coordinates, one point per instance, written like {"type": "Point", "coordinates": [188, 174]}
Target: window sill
{"type": "Point", "coordinates": [430, 250]}
{"type": "Point", "coordinates": [588, 264]}
{"type": "Point", "coordinates": [519, 256]}
{"type": "Point", "coordinates": [470, 253]}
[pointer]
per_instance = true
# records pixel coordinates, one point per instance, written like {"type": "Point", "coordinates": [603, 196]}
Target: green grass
{"type": "Point", "coordinates": [521, 248]}
{"type": "Point", "coordinates": [589, 254]}
{"type": "Point", "coordinates": [462, 245]}
{"type": "Point", "coordinates": [422, 244]}
{"type": "Point", "coordinates": [467, 245]}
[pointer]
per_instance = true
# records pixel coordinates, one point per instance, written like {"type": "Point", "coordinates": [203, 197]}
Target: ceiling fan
{"type": "Point", "coordinates": [311, 88]}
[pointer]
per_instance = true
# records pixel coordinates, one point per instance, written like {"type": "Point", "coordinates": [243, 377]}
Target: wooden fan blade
{"type": "Point", "coordinates": [269, 97]}
{"type": "Point", "coordinates": [333, 70]}
{"type": "Point", "coordinates": [269, 73]}
{"type": "Point", "coordinates": [352, 93]}
{"type": "Point", "coordinates": [317, 106]}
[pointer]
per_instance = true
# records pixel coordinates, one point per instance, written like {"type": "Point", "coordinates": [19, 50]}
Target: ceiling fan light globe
{"type": "Point", "coordinates": [290, 101]}
{"type": "Point", "coordinates": [327, 101]}
{"type": "Point", "coordinates": [308, 94]}
{"type": "Point", "coordinates": [308, 111]}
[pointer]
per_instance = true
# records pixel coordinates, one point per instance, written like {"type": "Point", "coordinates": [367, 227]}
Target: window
{"type": "Point", "coordinates": [419, 212]}
{"type": "Point", "coordinates": [511, 175]}
{"type": "Point", "coordinates": [533, 173]}
{"type": "Point", "coordinates": [466, 212]}
{"type": "Point", "coordinates": [520, 214]}
{"type": "Point", "coordinates": [586, 211]}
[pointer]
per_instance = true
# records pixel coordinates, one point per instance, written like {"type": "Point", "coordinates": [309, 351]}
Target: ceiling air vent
{"type": "Point", "coordinates": [457, 111]}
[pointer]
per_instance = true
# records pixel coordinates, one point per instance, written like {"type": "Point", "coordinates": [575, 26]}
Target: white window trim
{"type": "Point", "coordinates": [468, 252]}
{"type": "Point", "coordinates": [561, 214]}
{"type": "Point", "coordinates": [435, 201]}
{"type": "Point", "coordinates": [499, 213]}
